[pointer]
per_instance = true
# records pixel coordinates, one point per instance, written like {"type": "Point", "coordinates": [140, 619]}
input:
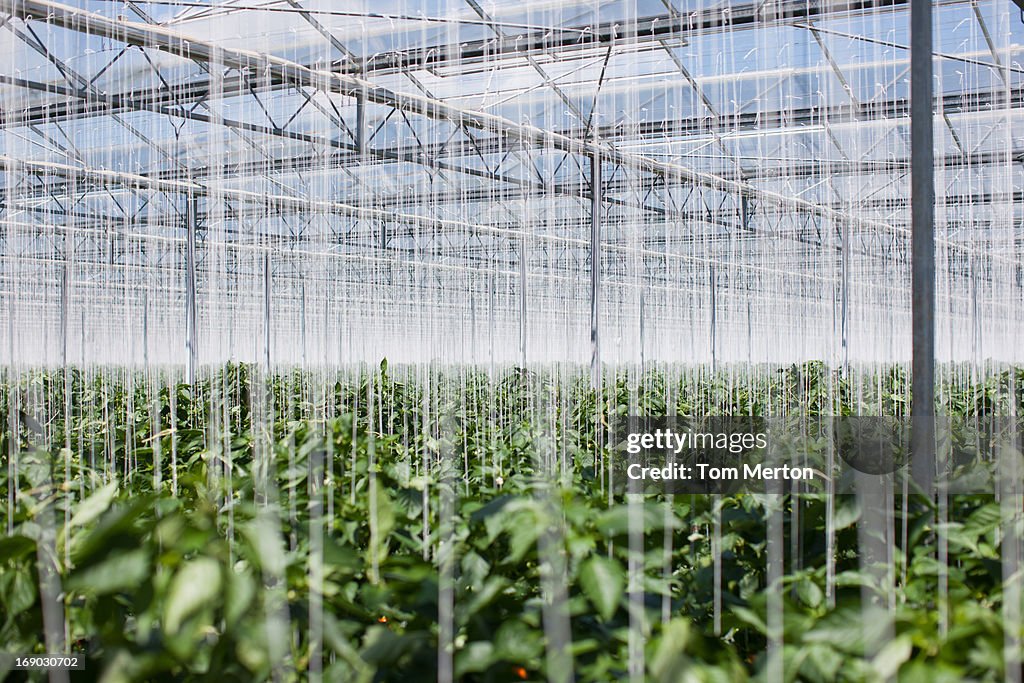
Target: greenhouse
{"type": "Point", "coordinates": [477, 340]}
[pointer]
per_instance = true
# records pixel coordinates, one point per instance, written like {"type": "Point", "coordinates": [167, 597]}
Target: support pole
{"type": "Point", "coordinates": [595, 271]}
{"type": "Point", "coordinates": [713, 329]}
{"type": "Point", "coordinates": [266, 311]}
{"type": "Point", "coordinates": [361, 125]}
{"type": "Point", "coordinates": [491, 294]}
{"type": "Point", "coordinates": [643, 331]}
{"type": "Point", "coordinates": [922, 208]}
{"type": "Point", "coordinates": [65, 301]}
{"type": "Point", "coordinates": [522, 302]}
{"type": "Point", "coordinates": [191, 333]}
{"type": "Point", "coordinates": [145, 329]}
{"type": "Point", "coordinates": [472, 329]}
{"type": "Point", "coordinates": [302, 311]}
{"type": "Point", "coordinates": [745, 213]}
{"type": "Point", "coordinates": [844, 284]}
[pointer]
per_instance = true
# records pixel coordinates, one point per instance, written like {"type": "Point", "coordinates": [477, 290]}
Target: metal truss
{"type": "Point", "coordinates": [482, 198]}
{"type": "Point", "coordinates": [271, 67]}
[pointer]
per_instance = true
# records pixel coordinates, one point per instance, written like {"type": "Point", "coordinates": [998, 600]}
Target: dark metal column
{"type": "Point", "coordinates": [845, 296]}
{"type": "Point", "coordinates": [65, 300]}
{"type": "Point", "coordinates": [267, 288]}
{"type": "Point", "coordinates": [713, 328]}
{"type": "Point", "coordinates": [643, 329]}
{"type": "Point", "coordinates": [523, 326]}
{"type": "Point", "coordinates": [191, 333]}
{"type": "Point", "coordinates": [595, 271]}
{"type": "Point", "coordinates": [922, 205]}
{"type": "Point", "coordinates": [361, 125]}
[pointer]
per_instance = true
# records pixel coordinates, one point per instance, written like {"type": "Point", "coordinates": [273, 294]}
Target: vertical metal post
{"type": "Point", "coordinates": [491, 294]}
{"type": "Point", "coordinates": [145, 329]}
{"type": "Point", "coordinates": [922, 206]}
{"type": "Point", "coordinates": [643, 324]}
{"type": "Point", "coordinates": [845, 295]}
{"type": "Point", "coordinates": [713, 332]}
{"type": "Point", "coordinates": [472, 328]}
{"type": "Point", "coordinates": [266, 311]}
{"type": "Point", "coordinates": [361, 125]}
{"type": "Point", "coordinates": [65, 302]}
{"type": "Point", "coordinates": [191, 333]}
{"type": "Point", "coordinates": [975, 318]}
{"type": "Point", "coordinates": [750, 334]}
{"type": "Point", "coordinates": [65, 311]}
{"type": "Point", "coordinates": [522, 302]}
{"type": "Point", "coordinates": [595, 271]}
{"type": "Point", "coordinates": [745, 222]}
{"type": "Point", "coordinates": [302, 311]}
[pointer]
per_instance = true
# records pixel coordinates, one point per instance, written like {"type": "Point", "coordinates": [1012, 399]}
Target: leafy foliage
{"type": "Point", "coordinates": [256, 528]}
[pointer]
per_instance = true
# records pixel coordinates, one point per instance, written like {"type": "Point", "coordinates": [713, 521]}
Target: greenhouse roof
{"type": "Point", "coordinates": [450, 132]}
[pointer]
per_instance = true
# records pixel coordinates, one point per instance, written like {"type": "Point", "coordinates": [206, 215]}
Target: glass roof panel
{"type": "Point", "coordinates": [571, 13]}
{"type": "Point", "coordinates": [777, 93]}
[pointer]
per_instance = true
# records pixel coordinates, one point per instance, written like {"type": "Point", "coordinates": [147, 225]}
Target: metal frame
{"type": "Point", "coordinates": [923, 245]}
{"type": "Point", "coordinates": [275, 68]}
{"type": "Point", "coordinates": [500, 177]}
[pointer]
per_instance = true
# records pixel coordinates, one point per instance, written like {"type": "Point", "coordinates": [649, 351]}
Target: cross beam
{"type": "Point", "coordinates": [269, 66]}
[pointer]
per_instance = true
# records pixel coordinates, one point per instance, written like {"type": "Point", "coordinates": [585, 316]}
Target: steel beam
{"type": "Point", "coordinates": [267, 302]}
{"type": "Point", "coordinates": [652, 28]}
{"type": "Point", "coordinates": [922, 193]}
{"type": "Point", "coordinates": [169, 103]}
{"type": "Point", "coordinates": [273, 67]}
{"type": "Point", "coordinates": [514, 233]}
{"type": "Point", "coordinates": [596, 208]}
{"type": "Point", "coordinates": [314, 206]}
{"type": "Point", "coordinates": [191, 305]}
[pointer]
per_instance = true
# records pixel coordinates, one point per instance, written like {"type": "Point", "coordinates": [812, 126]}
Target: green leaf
{"type": "Point", "coordinates": [385, 513]}
{"type": "Point", "coordinates": [850, 630]}
{"type": "Point", "coordinates": [121, 527]}
{"type": "Point", "coordinates": [95, 505]}
{"type": "Point", "coordinates": [473, 658]}
{"type": "Point", "coordinates": [382, 521]}
{"type": "Point", "coordinates": [22, 593]}
{"type": "Point", "coordinates": [492, 587]}
{"type": "Point", "coordinates": [603, 582]}
{"type": "Point", "coordinates": [854, 578]}
{"type": "Point", "coordinates": [822, 663]}
{"type": "Point", "coordinates": [193, 586]}
{"type": "Point", "coordinates": [888, 661]}
{"type": "Point", "coordinates": [238, 595]}
{"type": "Point", "coordinates": [931, 672]}
{"type": "Point", "coordinates": [751, 618]}
{"type": "Point", "coordinates": [383, 647]}
{"type": "Point", "coordinates": [122, 572]}
{"type": "Point", "coordinates": [517, 642]}
{"type": "Point", "coordinates": [340, 558]}
{"type": "Point", "coordinates": [615, 521]}
{"type": "Point", "coordinates": [809, 592]}
{"type": "Point", "coordinates": [983, 520]}
{"type": "Point", "coordinates": [264, 535]}
{"type": "Point", "coordinates": [670, 652]}
{"type": "Point", "coordinates": [337, 641]}
{"type": "Point", "coordinates": [845, 515]}
{"type": "Point", "coordinates": [522, 536]}
{"type": "Point", "coordinates": [15, 547]}
{"type": "Point", "coordinates": [492, 507]}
